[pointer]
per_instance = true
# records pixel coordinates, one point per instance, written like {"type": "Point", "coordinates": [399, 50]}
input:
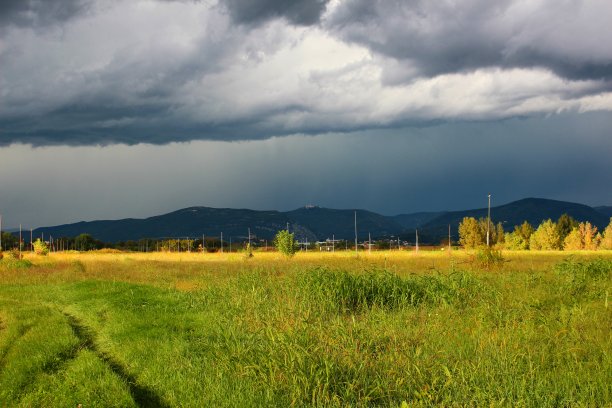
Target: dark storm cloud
{"type": "Point", "coordinates": [449, 166]}
{"type": "Point", "coordinates": [39, 13]}
{"type": "Point", "coordinates": [300, 12]}
{"type": "Point", "coordinates": [172, 71]}
{"type": "Point", "coordinates": [447, 37]}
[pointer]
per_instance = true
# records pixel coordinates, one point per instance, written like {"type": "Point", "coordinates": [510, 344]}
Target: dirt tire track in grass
{"type": "Point", "coordinates": [143, 396]}
{"type": "Point", "coordinates": [22, 331]}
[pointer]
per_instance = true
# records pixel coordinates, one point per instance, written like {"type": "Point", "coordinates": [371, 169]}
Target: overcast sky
{"type": "Point", "coordinates": [113, 109]}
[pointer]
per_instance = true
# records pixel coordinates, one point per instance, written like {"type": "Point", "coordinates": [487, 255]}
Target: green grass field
{"type": "Point", "coordinates": [386, 329]}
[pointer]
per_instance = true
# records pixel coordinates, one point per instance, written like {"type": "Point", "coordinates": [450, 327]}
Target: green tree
{"type": "Point", "coordinates": [514, 241]}
{"type": "Point", "coordinates": [285, 243]}
{"type": "Point", "coordinates": [41, 247]}
{"type": "Point", "coordinates": [499, 233]}
{"type": "Point", "coordinates": [470, 233]}
{"type": "Point", "coordinates": [584, 236]}
{"type": "Point", "coordinates": [85, 242]}
{"type": "Point", "coordinates": [9, 241]}
{"type": "Point", "coordinates": [519, 238]}
{"type": "Point", "coordinates": [565, 225]}
{"type": "Point", "coordinates": [524, 230]}
{"type": "Point", "coordinates": [573, 241]}
{"type": "Point", "coordinates": [606, 239]}
{"type": "Point", "coordinates": [545, 237]}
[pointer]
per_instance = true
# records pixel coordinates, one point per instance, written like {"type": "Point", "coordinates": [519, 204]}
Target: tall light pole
{"type": "Point", "coordinates": [355, 231]}
{"type": "Point", "coordinates": [488, 219]}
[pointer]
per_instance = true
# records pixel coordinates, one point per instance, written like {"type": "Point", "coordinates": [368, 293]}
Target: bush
{"type": "Point", "coordinates": [40, 247]}
{"type": "Point", "coordinates": [17, 263]}
{"type": "Point", "coordinates": [248, 251]}
{"type": "Point", "coordinates": [285, 243]}
{"type": "Point", "coordinates": [14, 254]}
{"type": "Point", "coordinates": [489, 258]}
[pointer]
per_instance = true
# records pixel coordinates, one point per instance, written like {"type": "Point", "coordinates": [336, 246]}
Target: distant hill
{"type": "Point", "coordinates": [188, 222]}
{"type": "Point", "coordinates": [312, 223]}
{"type": "Point", "coordinates": [326, 222]}
{"type": "Point", "coordinates": [605, 210]}
{"type": "Point", "coordinates": [316, 223]}
{"type": "Point", "coordinates": [416, 220]}
{"type": "Point", "coordinates": [533, 210]}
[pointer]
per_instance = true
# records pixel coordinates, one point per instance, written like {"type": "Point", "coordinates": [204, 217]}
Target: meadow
{"type": "Point", "coordinates": [382, 329]}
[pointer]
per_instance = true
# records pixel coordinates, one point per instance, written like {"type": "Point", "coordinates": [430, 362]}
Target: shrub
{"type": "Point", "coordinates": [248, 251]}
{"type": "Point", "coordinates": [14, 254]}
{"type": "Point", "coordinates": [489, 258]}
{"type": "Point", "coordinates": [17, 263]}
{"type": "Point", "coordinates": [40, 247]}
{"type": "Point", "coordinates": [285, 243]}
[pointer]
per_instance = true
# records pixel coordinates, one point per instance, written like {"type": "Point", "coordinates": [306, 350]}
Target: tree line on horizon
{"type": "Point", "coordinates": [564, 234]}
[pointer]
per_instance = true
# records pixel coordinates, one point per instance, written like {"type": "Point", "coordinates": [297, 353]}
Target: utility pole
{"type": "Point", "coordinates": [355, 231]}
{"type": "Point", "coordinates": [416, 231]}
{"type": "Point", "coordinates": [488, 219]}
{"type": "Point", "coordinates": [333, 243]}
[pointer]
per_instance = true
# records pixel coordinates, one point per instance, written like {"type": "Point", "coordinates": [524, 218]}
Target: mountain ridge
{"type": "Point", "coordinates": [319, 223]}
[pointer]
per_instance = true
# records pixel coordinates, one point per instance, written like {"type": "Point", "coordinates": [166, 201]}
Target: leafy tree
{"type": "Point", "coordinates": [573, 241]}
{"type": "Point", "coordinates": [285, 243]}
{"type": "Point", "coordinates": [41, 247]}
{"type": "Point", "coordinates": [606, 239]}
{"type": "Point", "coordinates": [86, 242]}
{"type": "Point", "coordinates": [519, 238]}
{"type": "Point", "coordinates": [470, 233]}
{"type": "Point", "coordinates": [524, 230]}
{"type": "Point", "coordinates": [545, 237]}
{"type": "Point", "coordinates": [584, 236]}
{"type": "Point", "coordinates": [499, 233]}
{"type": "Point", "coordinates": [9, 241]}
{"type": "Point", "coordinates": [514, 240]}
{"type": "Point", "coordinates": [565, 225]}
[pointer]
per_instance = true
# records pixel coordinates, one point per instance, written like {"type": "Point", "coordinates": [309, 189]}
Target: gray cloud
{"type": "Point", "coordinates": [40, 13]}
{"type": "Point", "coordinates": [167, 71]}
{"type": "Point", "coordinates": [435, 38]}
{"type": "Point", "coordinates": [301, 12]}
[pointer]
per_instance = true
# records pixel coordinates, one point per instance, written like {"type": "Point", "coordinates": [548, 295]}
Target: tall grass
{"type": "Point", "coordinates": [319, 330]}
